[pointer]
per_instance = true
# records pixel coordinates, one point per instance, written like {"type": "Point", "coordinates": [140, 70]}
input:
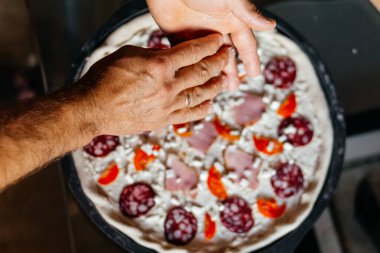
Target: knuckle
{"type": "Point", "coordinates": [204, 70]}
{"type": "Point", "coordinates": [197, 93]}
{"type": "Point", "coordinates": [161, 63]}
{"type": "Point", "coordinates": [168, 89]}
{"type": "Point", "coordinates": [195, 48]}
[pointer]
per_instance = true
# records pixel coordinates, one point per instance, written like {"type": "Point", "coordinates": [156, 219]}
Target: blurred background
{"type": "Point", "coordinates": [41, 38]}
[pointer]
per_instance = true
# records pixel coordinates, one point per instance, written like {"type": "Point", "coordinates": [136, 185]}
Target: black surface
{"type": "Point", "coordinates": [367, 210]}
{"type": "Point", "coordinates": [287, 243]}
{"type": "Point", "coordinates": [309, 244]}
{"type": "Point", "coordinates": [363, 122]}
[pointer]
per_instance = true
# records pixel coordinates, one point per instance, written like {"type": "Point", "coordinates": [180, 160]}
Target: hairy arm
{"type": "Point", "coordinates": [130, 91]}
{"type": "Point", "coordinates": [35, 132]}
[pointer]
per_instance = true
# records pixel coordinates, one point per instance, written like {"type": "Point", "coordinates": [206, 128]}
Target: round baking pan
{"type": "Point", "coordinates": [286, 243]}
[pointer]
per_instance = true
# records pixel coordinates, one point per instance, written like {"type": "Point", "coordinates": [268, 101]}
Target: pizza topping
{"type": "Point", "coordinates": [288, 180]}
{"type": "Point", "coordinates": [109, 175]}
{"type": "Point", "coordinates": [203, 136]}
{"type": "Point", "coordinates": [225, 131]}
{"type": "Point", "coordinates": [180, 226]}
{"type": "Point", "coordinates": [249, 111]}
{"type": "Point", "coordinates": [280, 71]}
{"type": "Point", "coordinates": [236, 215]}
{"type": "Point", "coordinates": [268, 146]}
{"type": "Point", "coordinates": [288, 106]}
{"type": "Point", "coordinates": [156, 40]}
{"type": "Point", "coordinates": [242, 164]}
{"type": "Point", "coordinates": [215, 184]}
{"type": "Point", "coordinates": [102, 145]}
{"type": "Point", "coordinates": [297, 130]}
{"type": "Point", "coordinates": [142, 159]}
{"type": "Point", "coordinates": [136, 199]}
{"type": "Point", "coordinates": [269, 208]}
{"type": "Point", "coordinates": [210, 227]}
{"type": "Point", "coordinates": [183, 130]}
{"type": "Point", "coordinates": [179, 176]}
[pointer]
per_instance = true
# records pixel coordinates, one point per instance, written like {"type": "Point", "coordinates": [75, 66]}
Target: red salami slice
{"type": "Point", "coordinates": [180, 226]}
{"type": "Point", "coordinates": [288, 180]}
{"type": "Point", "coordinates": [280, 71]}
{"type": "Point", "coordinates": [236, 215]}
{"type": "Point", "coordinates": [136, 199]}
{"type": "Point", "coordinates": [297, 130]}
{"type": "Point", "coordinates": [156, 40]}
{"type": "Point", "coordinates": [102, 145]}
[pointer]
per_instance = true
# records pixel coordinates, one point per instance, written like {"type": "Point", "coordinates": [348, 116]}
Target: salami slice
{"type": "Point", "coordinates": [102, 145]}
{"type": "Point", "coordinates": [180, 226]}
{"type": "Point", "coordinates": [280, 71]}
{"type": "Point", "coordinates": [156, 40]}
{"type": "Point", "coordinates": [136, 199]}
{"type": "Point", "coordinates": [288, 180]}
{"type": "Point", "coordinates": [297, 130]}
{"type": "Point", "coordinates": [236, 215]}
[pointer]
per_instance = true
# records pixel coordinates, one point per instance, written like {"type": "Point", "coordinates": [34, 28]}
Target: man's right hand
{"type": "Point", "coordinates": [137, 89]}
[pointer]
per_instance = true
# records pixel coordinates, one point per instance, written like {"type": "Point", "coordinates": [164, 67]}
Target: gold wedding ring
{"type": "Point", "coordinates": [188, 100]}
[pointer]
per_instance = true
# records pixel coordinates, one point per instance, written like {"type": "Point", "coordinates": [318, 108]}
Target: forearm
{"type": "Point", "coordinates": [129, 91]}
{"type": "Point", "coordinates": [39, 131]}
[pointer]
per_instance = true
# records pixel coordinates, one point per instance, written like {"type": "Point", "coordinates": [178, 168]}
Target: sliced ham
{"type": "Point", "coordinates": [202, 136]}
{"type": "Point", "coordinates": [180, 176]}
{"type": "Point", "coordinates": [241, 163]}
{"type": "Point", "coordinates": [249, 111]}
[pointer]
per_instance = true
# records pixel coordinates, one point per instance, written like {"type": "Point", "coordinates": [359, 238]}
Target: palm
{"type": "Point", "coordinates": [233, 18]}
{"type": "Point", "coordinates": [195, 14]}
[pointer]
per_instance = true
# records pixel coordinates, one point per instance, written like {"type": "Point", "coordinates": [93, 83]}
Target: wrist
{"type": "Point", "coordinates": [81, 112]}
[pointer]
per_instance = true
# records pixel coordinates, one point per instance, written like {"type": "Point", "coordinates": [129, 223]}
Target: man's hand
{"type": "Point", "coordinates": [128, 92]}
{"type": "Point", "coordinates": [137, 89]}
{"type": "Point", "coordinates": [233, 18]}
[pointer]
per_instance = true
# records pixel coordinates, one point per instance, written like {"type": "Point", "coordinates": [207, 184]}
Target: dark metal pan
{"type": "Point", "coordinates": [286, 243]}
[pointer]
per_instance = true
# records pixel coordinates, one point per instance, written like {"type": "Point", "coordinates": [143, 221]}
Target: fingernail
{"type": "Point", "coordinates": [232, 52]}
{"type": "Point", "coordinates": [221, 41]}
{"type": "Point", "coordinates": [231, 55]}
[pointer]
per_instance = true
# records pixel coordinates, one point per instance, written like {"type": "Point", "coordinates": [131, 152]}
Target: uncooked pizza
{"type": "Point", "coordinates": [236, 181]}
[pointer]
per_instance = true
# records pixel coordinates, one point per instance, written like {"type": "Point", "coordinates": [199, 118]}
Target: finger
{"type": "Point", "coordinates": [232, 74]}
{"type": "Point", "coordinates": [192, 51]}
{"type": "Point", "coordinates": [191, 114]}
{"type": "Point", "coordinates": [202, 71]}
{"type": "Point", "coordinates": [246, 45]}
{"type": "Point", "coordinates": [250, 15]}
{"type": "Point", "coordinates": [231, 70]}
{"type": "Point", "coordinates": [201, 93]}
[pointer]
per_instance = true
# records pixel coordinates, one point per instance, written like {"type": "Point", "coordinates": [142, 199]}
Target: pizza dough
{"type": "Point", "coordinates": [235, 182]}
